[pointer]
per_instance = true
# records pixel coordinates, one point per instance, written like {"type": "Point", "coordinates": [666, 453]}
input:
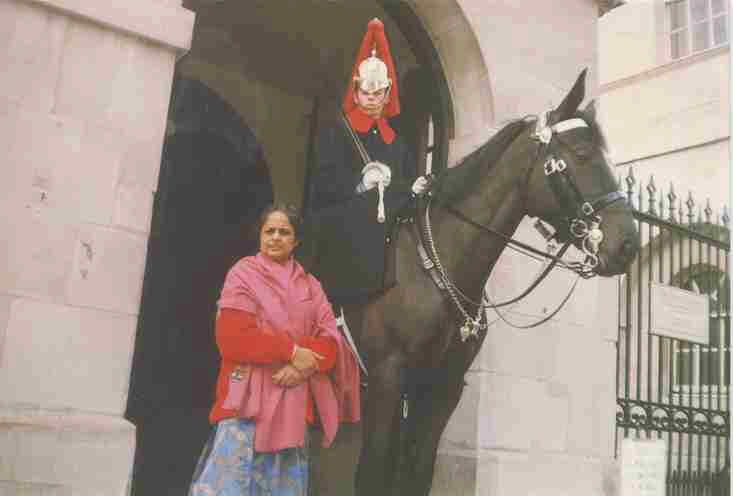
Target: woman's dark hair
{"type": "Point", "coordinates": [291, 212]}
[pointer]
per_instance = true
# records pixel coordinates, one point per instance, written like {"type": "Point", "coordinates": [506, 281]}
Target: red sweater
{"type": "Point", "coordinates": [240, 342]}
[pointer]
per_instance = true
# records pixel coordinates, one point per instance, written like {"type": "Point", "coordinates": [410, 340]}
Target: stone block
{"type": "Point", "coordinates": [31, 41]}
{"type": "Point", "coordinates": [607, 316]}
{"type": "Point", "coordinates": [65, 357]}
{"type": "Point", "coordinates": [51, 454]}
{"type": "Point", "coordinates": [59, 166]}
{"type": "Point", "coordinates": [5, 302]}
{"type": "Point", "coordinates": [36, 144]}
{"type": "Point", "coordinates": [140, 163]}
{"type": "Point", "coordinates": [586, 367]}
{"type": "Point", "coordinates": [137, 76]}
{"type": "Point", "coordinates": [93, 57]}
{"type": "Point", "coordinates": [27, 489]}
{"type": "Point", "coordinates": [505, 473]}
{"type": "Point", "coordinates": [133, 208]}
{"type": "Point", "coordinates": [37, 258]}
{"type": "Point", "coordinates": [108, 269]}
{"type": "Point", "coordinates": [455, 474]}
{"type": "Point", "coordinates": [603, 430]}
{"type": "Point", "coordinates": [515, 413]}
{"type": "Point", "coordinates": [140, 89]}
{"type": "Point", "coordinates": [518, 352]}
{"type": "Point", "coordinates": [462, 429]}
{"type": "Point", "coordinates": [79, 186]}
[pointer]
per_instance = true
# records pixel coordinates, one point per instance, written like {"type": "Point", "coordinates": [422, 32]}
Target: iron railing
{"type": "Point", "coordinates": [668, 388]}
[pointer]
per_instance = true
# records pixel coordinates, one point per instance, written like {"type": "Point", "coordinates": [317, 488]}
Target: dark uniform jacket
{"type": "Point", "coordinates": [344, 245]}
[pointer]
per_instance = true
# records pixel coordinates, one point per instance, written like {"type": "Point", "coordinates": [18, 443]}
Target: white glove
{"type": "Point", "coordinates": [374, 173]}
{"type": "Point", "coordinates": [420, 185]}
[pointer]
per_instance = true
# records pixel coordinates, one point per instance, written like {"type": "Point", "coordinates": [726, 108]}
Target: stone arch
{"type": "Point", "coordinates": [466, 73]}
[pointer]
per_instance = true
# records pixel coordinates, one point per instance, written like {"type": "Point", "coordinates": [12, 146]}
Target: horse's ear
{"type": "Point", "coordinates": [571, 102]}
{"type": "Point", "coordinates": [590, 110]}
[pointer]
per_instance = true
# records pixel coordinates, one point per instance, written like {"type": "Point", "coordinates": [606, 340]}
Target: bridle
{"type": "Point", "coordinates": [582, 217]}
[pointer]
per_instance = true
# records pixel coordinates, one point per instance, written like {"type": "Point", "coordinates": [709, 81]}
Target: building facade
{"type": "Point", "coordinates": [114, 172]}
{"type": "Point", "coordinates": [665, 94]}
{"type": "Point", "coordinates": [664, 69]}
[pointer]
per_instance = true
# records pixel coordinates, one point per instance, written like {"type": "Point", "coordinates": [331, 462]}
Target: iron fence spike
{"type": "Point", "coordinates": [652, 189]}
{"type": "Point", "coordinates": [690, 203]}
{"type": "Point", "coordinates": [672, 197]}
{"type": "Point", "coordinates": [680, 213]}
{"type": "Point", "coordinates": [708, 211]}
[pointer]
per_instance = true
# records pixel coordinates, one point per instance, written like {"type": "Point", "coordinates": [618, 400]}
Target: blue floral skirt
{"type": "Point", "coordinates": [229, 465]}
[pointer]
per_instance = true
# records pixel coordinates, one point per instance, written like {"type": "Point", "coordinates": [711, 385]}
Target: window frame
{"type": "Point", "coordinates": [687, 28]}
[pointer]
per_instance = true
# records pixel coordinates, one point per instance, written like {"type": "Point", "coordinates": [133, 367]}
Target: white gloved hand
{"type": "Point", "coordinates": [374, 173]}
{"type": "Point", "coordinates": [420, 185]}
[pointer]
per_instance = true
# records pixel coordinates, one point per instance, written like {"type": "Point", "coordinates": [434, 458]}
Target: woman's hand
{"type": "Point", "coordinates": [305, 360]}
{"type": "Point", "coordinates": [288, 376]}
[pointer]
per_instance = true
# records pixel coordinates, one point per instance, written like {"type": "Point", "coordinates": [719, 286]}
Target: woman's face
{"type": "Point", "coordinates": [277, 237]}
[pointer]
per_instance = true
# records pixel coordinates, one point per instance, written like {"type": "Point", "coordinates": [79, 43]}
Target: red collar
{"type": "Point", "coordinates": [362, 122]}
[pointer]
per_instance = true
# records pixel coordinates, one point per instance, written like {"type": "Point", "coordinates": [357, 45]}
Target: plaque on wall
{"type": "Point", "coordinates": [643, 467]}
{"type": "Point", "coordinates": [679, 314]}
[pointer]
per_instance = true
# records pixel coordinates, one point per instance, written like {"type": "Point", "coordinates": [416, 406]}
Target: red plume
{"type": "Point", "coordinates": [374, 35]}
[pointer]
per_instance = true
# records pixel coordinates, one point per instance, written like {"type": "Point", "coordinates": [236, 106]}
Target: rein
{"type": "Point", "coordinates": [584, 225]}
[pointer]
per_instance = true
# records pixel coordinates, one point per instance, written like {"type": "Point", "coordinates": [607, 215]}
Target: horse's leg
{"type": "Point", "coordinates": [375, 473]}
{"type": "Point", "coordinates": [430, 410]}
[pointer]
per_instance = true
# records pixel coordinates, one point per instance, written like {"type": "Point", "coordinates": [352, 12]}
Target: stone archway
{"type": "Point", "coordinates": [466, 73]}
{"type": "Point", "coordinates": [282, 94]}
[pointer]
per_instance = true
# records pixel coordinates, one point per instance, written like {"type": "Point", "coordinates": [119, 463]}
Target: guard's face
{"type": "Point", "coordinates": [372, 103]}
{"type": "Point", "coordinates": [277, 237]}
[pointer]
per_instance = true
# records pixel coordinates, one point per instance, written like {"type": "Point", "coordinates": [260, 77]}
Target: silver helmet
{"type": "Point", "coordinates": [372, 74]}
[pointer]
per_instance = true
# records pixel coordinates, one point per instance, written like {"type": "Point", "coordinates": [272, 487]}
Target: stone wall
{"type": "Point", "coordinates": [666, 118]}
{"type": "Point", "coordinates": [83, 100]}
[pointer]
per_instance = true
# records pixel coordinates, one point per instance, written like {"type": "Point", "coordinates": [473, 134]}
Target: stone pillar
{"type": "Point", "coordinates": [83, 101]}
{"type": "Point", "coordinates": [538, 413]}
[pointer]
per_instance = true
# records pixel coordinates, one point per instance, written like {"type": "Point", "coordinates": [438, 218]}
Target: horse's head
{"type": "Point", "coordinates": [571, 186]}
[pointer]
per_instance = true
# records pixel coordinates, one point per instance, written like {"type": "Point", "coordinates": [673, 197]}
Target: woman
{"type": "Point", "coordinates": [284, 365]}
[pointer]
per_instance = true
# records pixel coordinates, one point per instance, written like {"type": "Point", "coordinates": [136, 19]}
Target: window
{"type": "Point", "coordinates": [696, 25]}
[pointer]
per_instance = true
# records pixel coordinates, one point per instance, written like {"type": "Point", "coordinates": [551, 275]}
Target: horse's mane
{"type": "Point", "coordinates": [453, 182]}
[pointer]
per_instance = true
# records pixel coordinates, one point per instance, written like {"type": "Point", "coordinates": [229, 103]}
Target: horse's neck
{"type": "Point", "coordinates": [470, 253]}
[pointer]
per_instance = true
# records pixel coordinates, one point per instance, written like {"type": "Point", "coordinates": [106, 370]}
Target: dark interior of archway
{"type": "Point", "coordinates": [213, 182]}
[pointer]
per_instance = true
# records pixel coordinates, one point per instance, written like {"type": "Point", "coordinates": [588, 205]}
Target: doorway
{"type": "Point", "coordinates": [248, 100]}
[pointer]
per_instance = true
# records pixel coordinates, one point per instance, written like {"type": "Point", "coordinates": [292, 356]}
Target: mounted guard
{"type": "Point", "coordinates": [363, 181]}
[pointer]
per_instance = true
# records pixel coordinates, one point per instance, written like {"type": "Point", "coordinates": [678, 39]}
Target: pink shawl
{"type": "Point", "coordinates": [287, 300]}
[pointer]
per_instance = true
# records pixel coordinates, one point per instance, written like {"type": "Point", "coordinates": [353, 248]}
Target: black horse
{"type": "Point", "coordinates": [409, 335]}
